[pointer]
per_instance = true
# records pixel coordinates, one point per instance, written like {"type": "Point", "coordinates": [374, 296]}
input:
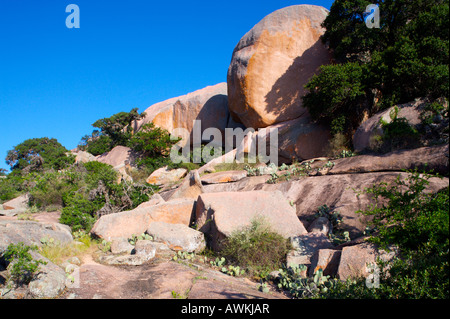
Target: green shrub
{"type": "Point", "coordinates": [256, 248]}
{"type": "Point", "coordinates": [22, 266]}
{"type": "Point", "coordinates": [97, 172]}
{"type": "Point", "coordinates": [398, 133]}
{"type": "Point", "coordinates": [13, 186]}
{"type": "Point", "coordinates": [50, 189]}
{"type": "Point", "coordinates": [405, 215]}
{"type": "Point", "coordinates": [99, 145]}
{"type": "Point", "coordinates": [78, 212]}
{"type": "Point", "coordinates": [111, 132]}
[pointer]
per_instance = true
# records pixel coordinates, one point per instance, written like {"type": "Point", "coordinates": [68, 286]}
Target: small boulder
{"type": "Point", "coordinates": [121, 246]}
{"type": "Point", "coordinates": [358, 260]}
{"type": "Point", "coordinates": [164, 176]}
{"type": "Point", "coordinates": [136, 221]}
{"type": "Point", "coordinates": [83, 157]}
{"type": "Point", "coordinates": [154, 200]}
{"type": "Point", "coordinates": [145, 248]}
{"type": "Point", "coordinates": [18, 203]}
{"type": "Point", "coordinates": [327, 260]}
{"type": "Point", "coordinates": [49, 282]}
{"type": "Point", "coordinates": [305, 246]}
{"type": "Point", "coordinates": [191, 187]}
{"type": "Point", "coordinates": [117, 156]}
{"type": "Point", "coordinates": [177, 236]}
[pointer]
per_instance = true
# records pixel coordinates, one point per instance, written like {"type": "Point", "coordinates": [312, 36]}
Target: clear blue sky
{"type": "Point", "coordinates": [55, 82]}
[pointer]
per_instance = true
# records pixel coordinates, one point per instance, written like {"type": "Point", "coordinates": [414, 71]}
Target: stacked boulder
{"type": "Point", "coordinates": [269, 68]}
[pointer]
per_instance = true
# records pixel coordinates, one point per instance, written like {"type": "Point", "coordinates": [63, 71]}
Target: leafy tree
{"type": "Point", "coordinates": [406, 58]}
{"type": "Point", "coordinates": [152, 144]}
{"type": "Point", "coordinates": [96, 144]}
{"type": "Point", "coordinates": [39, 154]}
{"type": "Point", "coordinates": [113, 131]}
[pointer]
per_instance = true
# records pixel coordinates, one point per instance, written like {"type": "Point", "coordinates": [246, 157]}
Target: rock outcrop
{"type": "Point", "coordinates": [219, 214]}
{"type": "Point", "coordinates": [119, 155]}
{"type": "Point", "coordinates": [336, 191]}
{"type": "Point", "coordinates": [366, 133]}
{"type": "Point", "coordinates": [137, 221]}
{"type": "Point", "coordinates": [164, 176]}
{"type": "Point", "coordinates": [50, 281]}
{"type": "Point", "coordinates": [19, 203]}
{"type": "Point", "coordinates": [32, 233]}
{"type": "Point", "coordinates": [432, 158]}
{"type": "Point", "coordinates": [177, 236]}
{"type": "Point", "coordinates": [209, 105]}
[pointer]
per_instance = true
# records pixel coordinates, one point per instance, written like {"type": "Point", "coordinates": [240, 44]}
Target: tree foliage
{"type": "Point", "coordinates": [111, 132]}
{"type": "Point", "coordinates": [407, 57]}
{"type": "Point", "coordinates": [39, 154]}
{"type": "Point", "coordinates": [152, 145]}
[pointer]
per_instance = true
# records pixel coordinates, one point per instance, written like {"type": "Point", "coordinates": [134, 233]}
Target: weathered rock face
{"type": "Point", "coordinates": [137, 221]}
{"type": "Point", "coordinates": [210, 105]}
{"type": "Point", "coordinates": [219, 214]}
{"type": "Point", "coordinates": [327, 260]}
{"type": "Point", "coordinates": [49, 282]}
{"type": "Point", "coordinates": [272, 63]}
{"type": "Point", "coordinates": [178, 237]}
{"type": "Point", "coordinates": [143, 251]}
{"type": "Point", "coordinates": [335, 191]}
{"type": "Point", "coordinates": [433, 158]}
{"type": "Point", "coordinates": [356, 261]}
{"type": "Point", "coordinates": [298, 139]}
{"type": "Point", "coordinates": [31, 233]}
{"type": "Point", "coordinates": [305, 246]}
{"type": "Point", "coordinates": [223, 177]}
{"type": "Point", "coordinates": [191, 187]}
{"type": "Point", "coordinates": [118, 156]}
{"type": "Point", "coordinates": [156, 199]}
{"type": "Point", "coordinates": [83, 157]}
{"type": "Point", "coordinates": [368, 130]}
{"type": "Point", "coordinates": [19, 203]}
{"type": "Point", "coordinates": [164, 176]}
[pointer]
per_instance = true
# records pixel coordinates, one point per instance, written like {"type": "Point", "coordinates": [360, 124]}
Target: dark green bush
{"type": "Point", "coordinates": [50, 189]}
{"type": "Point", "coordinates": [22, 266]}
{"type": "Point", "coordinates": [417, 222]}
{"type": "Point", "coordinates": [111, 132]}
{"type": "Point", "coordinates": [78, 212]}
{"type": "Point", "coordinates": [406, 58]}
{"type": "Point", "coordinates": [100, 145]}
{"type": "Point", "coordinates": [39, 154]}
{"type": "Point", "coordinates": [97, 172]}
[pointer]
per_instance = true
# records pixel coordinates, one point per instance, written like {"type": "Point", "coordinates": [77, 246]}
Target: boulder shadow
{"type": "Point", "coordinates": [285, 98]}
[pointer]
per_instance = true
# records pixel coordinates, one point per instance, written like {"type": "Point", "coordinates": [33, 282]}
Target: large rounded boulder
{"type": "Point", "coordinates": [272, 63]}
